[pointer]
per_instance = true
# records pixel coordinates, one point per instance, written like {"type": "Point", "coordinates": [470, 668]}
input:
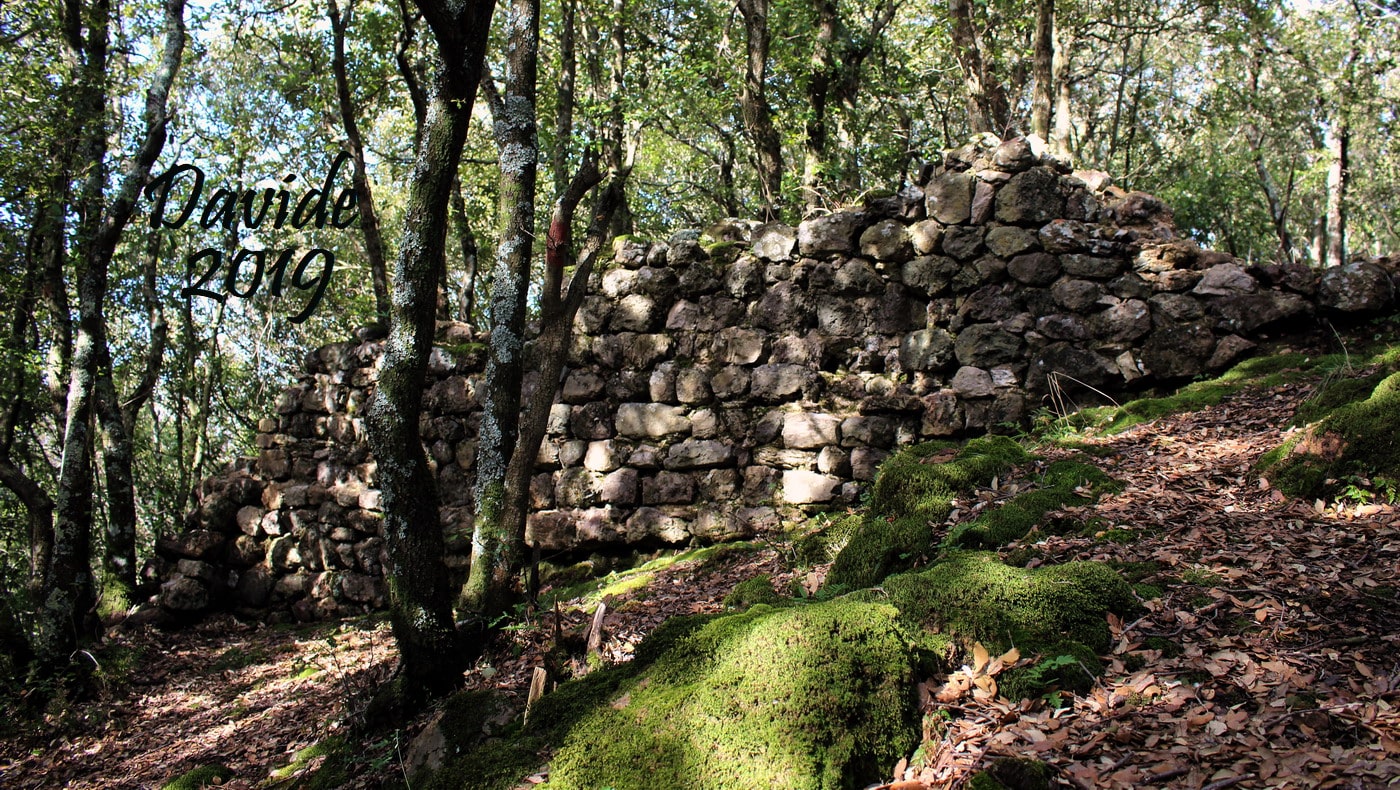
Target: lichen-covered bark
{"type": "Point", "coordinates": [66, 601]}
{"type": "Point", "coordinates": [118, 582]}
{"type": "Point", "coordinates": [516, 132]}
{"type": "Point", "coordinates": [557, 313]}
{"type": "Point", "coordinates": [1042, 67]}
{"type": "Point", "coordinates": [432, 655]}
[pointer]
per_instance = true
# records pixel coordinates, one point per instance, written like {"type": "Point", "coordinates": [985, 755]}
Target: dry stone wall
{"type": "Point", "coordinates": [722, 382]}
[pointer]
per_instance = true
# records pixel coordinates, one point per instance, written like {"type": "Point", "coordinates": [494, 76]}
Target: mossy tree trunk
{"type": "Point", "coordinates": [432, 656]}
{"type": "Point", "coordinates": [516, 132]}
{"type": "Point", "coordinates": [67, 596]}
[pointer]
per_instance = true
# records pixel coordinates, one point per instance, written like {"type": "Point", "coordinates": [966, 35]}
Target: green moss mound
{"type": "Point", "coordinates": [1065, 483]}
{"type": "Point", "coordinates": [977, 598]}
{"type": "Point", "coordinates": [1357, 440]}
{"type": "Point", "coordinates": [1012, 773]}
{"type": "Point", "coordinates": [815, 696]}
{"type": "Point", "coordinates": [828, 536]}
{"type": "Point", "coordinates": [757, 590]}
{"type": "Point", "coordinates": [1063, 666]}
{"type": "Point", "coordinates": [201, 777]}
{"type": "Point", "coordinates": [913, 493]}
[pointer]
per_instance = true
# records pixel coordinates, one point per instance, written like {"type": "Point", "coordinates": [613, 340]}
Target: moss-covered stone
{"type": "Point", "coordinates": [815, 696]}
{"type": "Point", "coordinates": [1063, 666]}
{"type": "Point", "coordinates": [975, 597]}
{"type": "Point", "coordinates": [198, 778]}
{"type": "Point", "coordinates": [1356, 440]}
{"type": "Point", "coordinates": [829, 534]}
{"type": "Point", "coordinates": [1066, 482]}
{"type": "Point", "coordinates": [913, 493]}
{"type": "Point", "coordinates": [337, 755]}
{"type": "Point", "coordinates": [757, 590]}
{"type": "Point", "coordinates": [1012, 773]}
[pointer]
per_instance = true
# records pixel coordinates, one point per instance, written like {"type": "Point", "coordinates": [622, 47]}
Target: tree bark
{"type": "Point", "coordinates": [68, 601]}
{"type": "Point", "coordinates": [118, 420]}
{"type": "Point", "coordinates": [432, 656]}
{"type": "Point", "coordinates": [364, 197]}
{"type": "Point", "coordinates": [1338, 180]}
{"type": "Point", "coordinates": [466, 241]}
{"type": "Point", "coordinates": [564, 100]}
{"type": "Point", "coordinates": [515, 129]}
{"type": "Point", "coordinates": [1043, 68]}
{"type": "Point", "coordinates": [758, 115]}
{"type": "Point", "coordinates": [815, 164]}
{"type": "Point", "coordinates": [1061, 143]}
{"type": "Point", "coordinates": [988, 109]}
{"type": "Point", "coordinates": [557, 310]}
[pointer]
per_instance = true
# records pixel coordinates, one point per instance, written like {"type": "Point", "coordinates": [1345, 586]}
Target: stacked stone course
{"type": "Point", "coordinates": [726, 381]}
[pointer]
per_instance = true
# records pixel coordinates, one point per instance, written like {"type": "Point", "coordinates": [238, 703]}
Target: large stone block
{"type": "Point", "coordinates": [807, 431]}
{"type": "Point", "coordinates": [801, 487]}
{"type": "Point", "coordinates": [651, 420]}
{"type": "Point", "coordinates": [930, 274]}
{"type": "Point", "coordinates": [831, 234]}
{"type": "Point", "coordinates": [986, 346]}
{"type": "Point", "coordinates": [783, 382]}
{"type": "Point", "coordinates": [949, 198]}
{"type": "Point", "coordinates": [1034, 197]}
{"type": "Point", "coordinates": [1356, 288]}
{"type": "Point", "coordinates": [698, 454]}
{"type": "Point", "coordinates": [887, 240]}
{"type": "Point", "coordinates": [774, 241]}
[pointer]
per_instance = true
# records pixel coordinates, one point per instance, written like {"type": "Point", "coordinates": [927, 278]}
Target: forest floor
{"type": "Point", "coordinates": [1270, 659]}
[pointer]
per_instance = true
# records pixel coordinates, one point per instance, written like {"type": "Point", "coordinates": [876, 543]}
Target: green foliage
{"type": "Point", "coordinates": [1067, 666]}
{"type": "Point", "coordinates": [913, 493]}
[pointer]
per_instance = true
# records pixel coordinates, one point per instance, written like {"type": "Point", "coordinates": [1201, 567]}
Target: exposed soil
{"type": "Point", "coordinates": [1272, 658]}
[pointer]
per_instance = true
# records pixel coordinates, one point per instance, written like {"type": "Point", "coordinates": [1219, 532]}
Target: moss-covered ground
{"type": "Point", "coordinates": [912, 496]}
{"type": "Point", "coordinates": [819, 691]}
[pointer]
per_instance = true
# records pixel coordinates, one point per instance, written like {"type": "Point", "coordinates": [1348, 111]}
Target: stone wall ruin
{"type": "Point", "coordinates": [723, 382]}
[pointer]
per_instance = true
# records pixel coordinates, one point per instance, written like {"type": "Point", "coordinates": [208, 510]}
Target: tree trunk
{"type": "Point", "coordinates": [564, 96]}
{"type": "Point", "coordinates": [364, 197]}
{"type": "Point", "coordinates": [432, 656]}
{"type": "Point", "coordinates": [988, 109]}
{"type": "Point", "coordinates": [466, 241]}
{"type": "Point", "coordinates": [515, 129]}
{"type": "Point", "coordinates": [118, 419]}
{"type": "Point", "coordinates": [758, 116]}
{"type": "Point", "coordinates": [68, 597]}
{"type": "Point", "coordinates": [1061, 143]}
{"type": "Point", "coordinates": [1338, 180]}
{"type": "Point", "coordinates": [815, 165]}
{"type": "Point", "coordinates": [1043, 68]}
{"type": "Point", "coordinates": [118, 582]}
